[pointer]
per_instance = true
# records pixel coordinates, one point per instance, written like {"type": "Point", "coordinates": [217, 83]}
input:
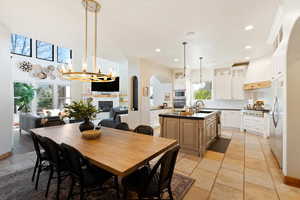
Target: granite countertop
{"type": "Point", "coordinates": [234, 109]}
{"type": "Point", "coordinates": [160, 108]}
{"type": "Point", "coordinates": [196, 116]}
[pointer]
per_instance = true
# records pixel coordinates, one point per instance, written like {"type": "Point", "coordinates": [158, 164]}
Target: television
{"type": "Point", "coordinates": [106, 87]}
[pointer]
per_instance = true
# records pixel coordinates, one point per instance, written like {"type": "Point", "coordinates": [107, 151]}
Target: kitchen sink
{"type": "Point", "coordinates": [205, 111]}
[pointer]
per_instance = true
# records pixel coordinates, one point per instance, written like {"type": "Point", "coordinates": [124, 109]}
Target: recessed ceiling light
{"type": "Point", "coordinates": [248, 47]}
{"type": "Point", "coordinates": [176, 60]}
{"type": "Point", "coordinates": [249, 28]}
{"type": "Point", "coordinates": [247, 58]}
{"type": "Point", "coordinates": [157, 50]}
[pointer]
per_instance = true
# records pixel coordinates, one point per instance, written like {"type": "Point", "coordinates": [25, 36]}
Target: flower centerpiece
{"type": "Point", "coordinates": [82, 110]}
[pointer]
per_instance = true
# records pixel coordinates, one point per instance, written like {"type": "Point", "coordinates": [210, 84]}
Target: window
{"type": "Point", "coordinates": [204, 93]}
{"type": "Point", "coordinates": [64, 95]}
{"type": "Point", "coordinates": [64, 55]}
{"type": "Point", "coordinates": [20, 45]}
{"type": "Point", "coordinates": [44, 97]}
{"type": "Point", "coordinates": [44, 51]}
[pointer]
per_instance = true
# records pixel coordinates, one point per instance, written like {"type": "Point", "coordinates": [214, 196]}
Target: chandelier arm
{"type": "Point", "coordinates": [95, 45]}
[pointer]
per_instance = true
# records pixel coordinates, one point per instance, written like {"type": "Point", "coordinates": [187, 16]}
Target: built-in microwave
{"type": "Point", "coordinates": [179, 93]}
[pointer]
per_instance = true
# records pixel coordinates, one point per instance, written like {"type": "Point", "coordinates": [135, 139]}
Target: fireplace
{"type": "Point", "coordinates": [105, 106]}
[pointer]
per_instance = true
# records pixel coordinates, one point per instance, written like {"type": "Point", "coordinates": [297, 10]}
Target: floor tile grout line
{"type": "Point", "coordinates": [213, 185]}
{"type": "Point", "coordinates": [268, 166]}
{"type": "Point", "coordinates": [244, 170]}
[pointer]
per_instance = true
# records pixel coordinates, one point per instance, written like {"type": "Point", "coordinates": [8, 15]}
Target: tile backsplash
{"type": "Point", "coordinates": [238, 104]}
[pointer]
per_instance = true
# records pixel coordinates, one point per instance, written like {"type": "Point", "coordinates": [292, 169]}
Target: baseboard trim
{"type": "Point", "coordinates": [292, 181]}
{"type": "Point", "coordinates": [5, 155]}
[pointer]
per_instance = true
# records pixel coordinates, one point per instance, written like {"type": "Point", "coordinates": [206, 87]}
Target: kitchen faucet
{"type": "Point", "coordinates": [199, 105]}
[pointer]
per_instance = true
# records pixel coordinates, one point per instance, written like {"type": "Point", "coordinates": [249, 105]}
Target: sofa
{"type": "Point", "coordinates": [114, 117]}
{"type": "Point", "coordinates": [29, 121]}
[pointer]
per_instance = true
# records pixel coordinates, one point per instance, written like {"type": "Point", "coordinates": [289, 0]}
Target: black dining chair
{"type": "Point", "coordinates": [84, 173]}
{"type": "Point", "coordinates": [123, 126]}
{"type": "Point", "coordinates": [41, 163]}
{"type": "Point", "coordinates": [153, 182]}
{"type": "Point", "coordinates": [57, 162]}
{"type": "Point", "coordinates": [144, 129]}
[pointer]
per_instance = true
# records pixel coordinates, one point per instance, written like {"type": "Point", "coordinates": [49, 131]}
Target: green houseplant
{"type": "Point", "coordinates": [202, 94]}
{"type": "Point", "coordinates": [24, 95]}
{"type": "Point", "coordinates": [81, 110]}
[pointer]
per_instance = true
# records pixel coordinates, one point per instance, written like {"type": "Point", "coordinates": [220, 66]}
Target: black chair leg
{"type": "Point", "coordinates": [125, 192]}
{"type": "Point", "coordinates": [81, 192]}
{"type": "Point", "coordinates": [58, 185]}
{"type": "Point", "coordinates": [38, 177]}
{"type": "Point", "coordinates": [49, 181]}
{"type": "Point", "coordinates": [117, 186]}
{"type": "Point", "coordinates": [170, 193]}
{"type": "Point", "coordinates": [71, 189]}
{"type": "Point", "coordinates": [34, 170]}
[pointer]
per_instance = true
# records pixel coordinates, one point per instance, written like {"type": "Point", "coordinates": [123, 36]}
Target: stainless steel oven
{"type": "Point", "coordinates": [179, 94]}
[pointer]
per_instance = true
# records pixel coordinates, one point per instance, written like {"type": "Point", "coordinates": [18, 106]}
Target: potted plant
{"type": "Point", "coordinates": [24, 95]}
{"type": "Point", "coordinates": [81, 110]}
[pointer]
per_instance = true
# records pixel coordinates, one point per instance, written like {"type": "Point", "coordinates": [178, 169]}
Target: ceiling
{"type": "Point", "coordinates": [136, 28]}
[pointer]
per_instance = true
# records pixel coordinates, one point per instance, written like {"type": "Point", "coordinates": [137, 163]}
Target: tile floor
{"type": "Point", "coordinates": [247, 171]}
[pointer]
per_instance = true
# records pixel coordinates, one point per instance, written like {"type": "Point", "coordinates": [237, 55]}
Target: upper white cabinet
{"type": "Point", "coordinates": [259, 70]}
{"type": "Point", "coordinates": [222, 83]}
{"type": "Point", "coordinates": [278, 63]}
{"type": "Point", "coordinates": [229, 82]}
{"type": "Point", "coordinates": [237, 83]}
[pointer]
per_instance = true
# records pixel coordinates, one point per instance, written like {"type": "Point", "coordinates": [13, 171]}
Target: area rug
{"type": "Point", "coordinates": [220, 145]}
{"type": "Point", "coordinates": [18, 186]}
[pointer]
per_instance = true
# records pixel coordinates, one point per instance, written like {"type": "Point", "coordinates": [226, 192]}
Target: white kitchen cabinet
{"type": "Point", "coordinates": [237, 83]}
{"type": "Point", "coordinates": [256, 124]}
{"type": "Point", "coordinates": [154, 116]}
{"type": "Point", "coordinates": [278, 63]}
{"type": "Point", "coordinates": [228, 83]}
{"type": "Point", "coordinates": [231, 119]}
{"type": "Point", "coordinates": [222, 83]}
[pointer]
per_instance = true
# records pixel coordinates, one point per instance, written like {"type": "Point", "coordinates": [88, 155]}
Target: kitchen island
{"type": "Point", "coordinates": [193, 131]}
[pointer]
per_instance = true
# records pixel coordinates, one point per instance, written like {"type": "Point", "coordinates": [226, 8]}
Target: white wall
{"type": "Point", "coordinates": [292, 102]}
{"type": "Point", "coordinates": [6, 100]}
{"type": "Point", "coordinates": [147, 70]}
{"type": "Point", "coordinates": [159, 91]}
{"type": "Point", "coordinates": [134, 70]}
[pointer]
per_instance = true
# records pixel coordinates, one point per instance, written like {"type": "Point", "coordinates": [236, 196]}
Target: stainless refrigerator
{"type": "Point", "coordinates": [276, 128]}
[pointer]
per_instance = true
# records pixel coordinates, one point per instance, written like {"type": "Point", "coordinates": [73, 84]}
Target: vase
{"type": "Point", "coordinates": [86, 125]}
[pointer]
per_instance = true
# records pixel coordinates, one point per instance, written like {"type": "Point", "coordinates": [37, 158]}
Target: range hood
{"type": "Point", "coordinates": [259, 74]}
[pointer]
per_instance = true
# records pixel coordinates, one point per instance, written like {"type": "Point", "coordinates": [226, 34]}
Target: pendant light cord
{"type": "Point", "coordinates": [184, 58]}
{"type": "Point", "coordinates": [201, 69]}
{"type": "Point", "coordinates": [84, 63]}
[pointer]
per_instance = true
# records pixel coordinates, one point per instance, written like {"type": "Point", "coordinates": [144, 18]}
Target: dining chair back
{"type": "Point", "coordinates": [36, 145]}
{"type": "Point", "coordinates": [123, 126]}
{"type": "Point", "coordinates": [52, 150]}
{"type": "Point", "coordinates": [56, 160]}
{"type": "Point", "coordinates": [144, 129]}
{"type": "Point", "coordinates": [74, 159]}
{"type": "Point", "coordinates": [165, 168]}
{"type": "Point", "coordinates": [41, 158]}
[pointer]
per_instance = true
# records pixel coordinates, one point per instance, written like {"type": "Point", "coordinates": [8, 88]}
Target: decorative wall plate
{"type": "Point", "coordinates": [25, 66]}
{"type": "Point", "coordinates": [42, 75]}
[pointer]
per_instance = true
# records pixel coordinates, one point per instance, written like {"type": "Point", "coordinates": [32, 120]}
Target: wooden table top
{"type": "Point", "coordinates": [119, 152]}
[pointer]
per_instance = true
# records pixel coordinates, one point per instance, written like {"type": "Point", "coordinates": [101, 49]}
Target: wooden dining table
{"type": "Point", "coordinates": [117, 151]}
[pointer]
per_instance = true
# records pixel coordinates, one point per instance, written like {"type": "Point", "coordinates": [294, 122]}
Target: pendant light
{"type": "Point", "coordinates": [184, 59]}
{"type": "Point", "coordinates": [201, 84]}
{"type": "Point", "coordinates": [84, 75]}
